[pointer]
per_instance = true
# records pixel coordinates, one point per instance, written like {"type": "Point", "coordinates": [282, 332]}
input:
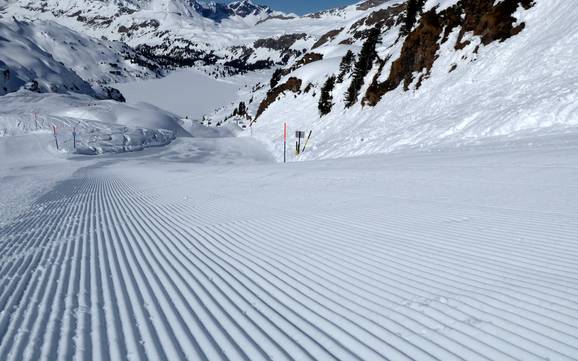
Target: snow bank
{"type": "Point", "coordinates": [101, 126]}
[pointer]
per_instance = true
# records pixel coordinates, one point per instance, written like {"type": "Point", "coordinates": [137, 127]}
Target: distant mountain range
{"type": "Point", "coordinates": [395, 73]}
{"type": "Point", "coordinates": [218, 11]}
{"type": "Point", "coordinates": [240, 36]}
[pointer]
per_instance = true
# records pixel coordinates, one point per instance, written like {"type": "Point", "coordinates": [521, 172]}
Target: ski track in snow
{"type": "Point", "coordinates": [110, 266]}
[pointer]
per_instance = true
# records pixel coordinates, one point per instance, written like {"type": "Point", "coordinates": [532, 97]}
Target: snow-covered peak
{"type": "Point", "coordinates": [246, 8]}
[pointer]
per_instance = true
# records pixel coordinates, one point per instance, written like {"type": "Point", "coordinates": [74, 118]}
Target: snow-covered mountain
{"type": "Point", "coordinates": [23, 63]}
{"type": "Point", "coordinates": [460, 247]}
{"type": "Point", "coordinates": [461, 72]}
{"type": "Point", "coordinates": [240, 35]}
{"type": "Point", "coordinates": [243, 9]}
{"type": "Point", "coordinates": [46, 57]}
{"type": "Point", "coordinates": [419, 72]}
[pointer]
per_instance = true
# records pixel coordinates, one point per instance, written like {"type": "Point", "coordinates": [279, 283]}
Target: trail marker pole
{"type": "Point", "coordinates": [307, 141]}
{"type": "Point", "coordinates": [35, 117]}
{"type": "Point", "coordinates": [251, 126]}
{"type": "Point", "coordinates": [55, 137]}
{"type": "Point", "coordinates": [299, 135]}
{"type": "Point", "coordinates": [284, 142]}
{"type": "Point", "coordinates": [74, 136]}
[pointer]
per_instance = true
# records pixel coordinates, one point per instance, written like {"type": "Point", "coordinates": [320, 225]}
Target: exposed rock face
{"type": "Point", "coordinates": [215, 11]}
{"type": "Point", "coordinates": [491, 22]}
{"type": "Point", "coordinates": [246, 8]}
{"type": "Point", "coordinates": [281, 43]}
{"type": "Point", "coordinates": [368, 4]}
{"type": "Point", "coordinates": [383, 18]}
{"type": "Point", "coordinates": [4, 78]}
{"type": "Point", "coordinates": [184, 55]}
{"type": "Point", "coordinates": [32, 86]}
{"type": "Point", "coordinates": [219, 12]}
{"type": "Point", "coordinates": [325, 38]}
{"type": "Point", "coordinates": [114, 94]}
{"type": "Point", "coordinates": [273, 17]}
{"type": "Point", "coordinates": [281, 72]}
{"type": "Point", "coordinates": [308, 59]}
{"type": "Point", "coordinates": [151, 24]}
{"type": "Point", "coordinates": [292, 85]}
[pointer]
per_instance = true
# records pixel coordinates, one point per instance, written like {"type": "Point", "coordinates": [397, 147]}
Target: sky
{"type": "Point", "coordinates": [303, 6]}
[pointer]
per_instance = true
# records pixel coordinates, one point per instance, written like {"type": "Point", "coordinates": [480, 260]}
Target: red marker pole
{"type": "Point", "coordinates": [55, 137]}
{"type": "Point", "coordinates": [284, 142]}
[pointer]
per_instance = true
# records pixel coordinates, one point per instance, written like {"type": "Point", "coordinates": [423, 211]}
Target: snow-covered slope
{"type": "Point", "coordinates": [63, 60]}
{"type": "Point", "coordinates": [451, 81]}
{"type": "Point", "coordinates": [241, 35]}
{"type": "Point", "coordinates": [101, 126]}
{"type": "Point", "coordinates": [463, 72]}
{"type": "Point", "coordinates": [23, 63]}
{"type": "Point", "coordinates": [190, 253]}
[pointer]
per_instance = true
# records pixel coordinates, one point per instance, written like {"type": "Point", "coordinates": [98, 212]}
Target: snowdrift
{"type": "Point", "coordinates": [101, 126]}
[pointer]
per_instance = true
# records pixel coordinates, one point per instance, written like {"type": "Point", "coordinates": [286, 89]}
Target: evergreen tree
{"type": "Point", "coordinates": [277, 75]}
{"type": "Point", "coordinates": [326, 100]}
{"type": "Point", "coordinates": [242, 109]}
{"type": "Point", "coordinates": [414, 7]}
{"type": "Point", "coordinates": [362, 67]}
{"type": "Point", "coordinates": [345, 66]}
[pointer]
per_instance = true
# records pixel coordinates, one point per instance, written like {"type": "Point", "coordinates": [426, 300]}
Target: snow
{"type": "Point", "coordinates": [62, 60]}
{"type": "Point", "coordinates": [22, 61]}
{"type": "Point", "coordinates": [187, 92]}
{"type": "Point", "coordinates": [206, 249]}
{"type": "Point", "coordinates": [101, 126]}
{"type": "Point", "coordinates": [29, 167]}
{"type": "Point", "coordinates": [438, 4]}
{"type": "Point", "coordinates": [177, 20]}
{"type": "Point", "coordinates": [517, 89]}
{"type": "Point", "coordinates": [439, 225]}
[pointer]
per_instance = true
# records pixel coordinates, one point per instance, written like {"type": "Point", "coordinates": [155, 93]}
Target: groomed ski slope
{"type": "Point", "coordinates": [205, 250]}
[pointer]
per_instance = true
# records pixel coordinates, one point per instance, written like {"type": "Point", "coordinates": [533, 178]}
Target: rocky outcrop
{"type": "Point", "coordinates": [275, 17]}
{"type": "Point", "coordinates": [114, 94]}
{"type": "Point", "coordinates": [327, 37]}
{"type": "Point", "coordinates": [281, 72]}
{"type": "Point", "coordinates": [308, 59]}
{"type": "Point", "coordinates": [283, 42]}
{"type": "Point", "coordinates": [292, 85]}
{"type": "Point", "coordinates": [171, 56]}
{"type": "Point", "coordinates": [149, 25]}
{"type": "Point", "coordinates": [491, 22]}
{"type": "Point", "coordinates": [244, 8]}
{"type": "Point", "coordinates": [4, 78]}
{"type": "Point", "coordinates": [384, 17]}
{"type": "Point", "coordinates": [368, 4]}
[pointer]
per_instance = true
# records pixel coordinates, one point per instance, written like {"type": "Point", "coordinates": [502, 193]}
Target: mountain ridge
{"type": "Point", "coordinates": [188, 32]}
